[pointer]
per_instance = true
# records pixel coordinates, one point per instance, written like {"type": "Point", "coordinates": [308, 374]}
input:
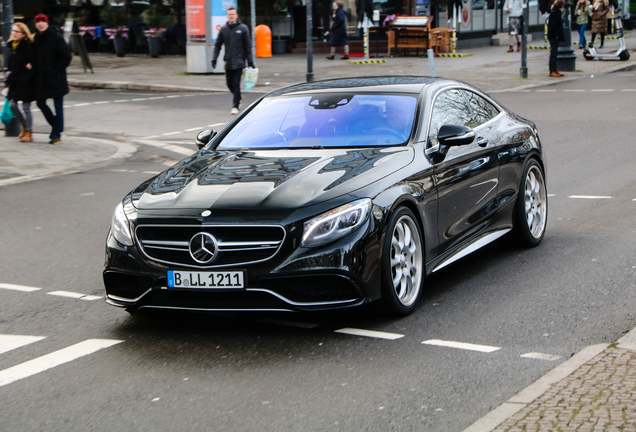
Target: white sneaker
{"type": "Point", "coordinates": [234, 111]}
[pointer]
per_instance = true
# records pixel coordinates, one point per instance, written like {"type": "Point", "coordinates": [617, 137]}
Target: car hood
{"type": "Point", "coordinates": [273, 179]}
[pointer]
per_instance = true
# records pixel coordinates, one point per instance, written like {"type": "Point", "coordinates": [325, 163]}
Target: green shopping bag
{"type": "Point", "coordinates": [6, 115]}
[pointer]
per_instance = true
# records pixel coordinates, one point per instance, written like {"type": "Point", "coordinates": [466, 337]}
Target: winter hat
{"type": "Point", "coordinates": [41, 17]}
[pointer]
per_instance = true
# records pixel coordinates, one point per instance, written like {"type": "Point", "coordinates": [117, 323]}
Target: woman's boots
{"type": "Point", "coordinates": [25, 135]}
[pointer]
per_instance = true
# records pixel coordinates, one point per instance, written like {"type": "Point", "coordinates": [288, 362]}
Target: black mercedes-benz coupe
{"type": "Point", "coordinates": [330, 195]}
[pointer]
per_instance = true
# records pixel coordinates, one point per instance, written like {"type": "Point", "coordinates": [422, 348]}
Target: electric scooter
{"type": "Point", "coordinates": [620, 54]}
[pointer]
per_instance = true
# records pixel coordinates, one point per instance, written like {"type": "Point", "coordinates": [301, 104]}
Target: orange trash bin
{"type": "Point", "coordinates": [263, 41]}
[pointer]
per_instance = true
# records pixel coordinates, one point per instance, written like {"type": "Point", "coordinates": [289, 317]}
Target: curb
{"type": "Point", "coordinates": [619, 68]}
{"type": "Point", "coordinates": [123, 151]}
{"type": "Point", "coordinates": [525, 397]}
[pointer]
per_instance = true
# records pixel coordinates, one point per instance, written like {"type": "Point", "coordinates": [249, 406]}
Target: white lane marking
{"type": "Point", "coordinates": [541, 356]}
{"type": "Point", "coordinates": [574, 90]}
{"type": "Point", "coordinates": [11, 342]}
{"type": "Point", "coordinates": [22, 288]}
{"type": "Point", "coordinates": [88, 193]}
{"type": "Point", "coordinates": [461, 345]}
{"type": "Point", "coordinates": [54, 359]}
{"type": "Point", "coordinates": [82, 104]}
{"type": "Point", "coordinates": [173, 96]}
{"type": "Point", "coordinates": [297, 324]}
{"type": "Point", "coordinates": [369, 333]}
{"type": "Point", "coordinates": [171, 133]}
{"type": "Point", "coordinates": [193, 129]}
{"type": "Point", "coordinates": [546, 91]}
{"type": "Point", "coordinates": [122, 100]}
{"type": "Point", "coordinates": [139, 99]}
{"type": "Point", "coordinates": [589, 197]}
{"type": "Point", "coordinates": [101, 102]}
{"type": "Point", "coordinates": [152, 172]}
{"type": "Point", "coordinates": [155, 98]}
{"type": "Point", "coordinates": [602, 90]}
{"type": "Point", "coordinates": [150, 137]}
{"type": "Point", "coordinates": [551, 195]}
{"type": "Point", "coordinates": [74, 295]}
{"type": "Point", "coordinates": [629, 90]}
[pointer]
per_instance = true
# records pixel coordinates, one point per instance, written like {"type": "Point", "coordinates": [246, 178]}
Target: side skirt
{"type": "Point", "coordinates": [472, 247]}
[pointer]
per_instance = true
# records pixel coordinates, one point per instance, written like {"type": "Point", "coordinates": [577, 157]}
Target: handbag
{"type": "Point", "coordinates": [6, 115]}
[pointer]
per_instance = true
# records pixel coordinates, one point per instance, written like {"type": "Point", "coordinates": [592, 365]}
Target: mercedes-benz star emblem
{"type": "Point", "coordinates": [203, 247]}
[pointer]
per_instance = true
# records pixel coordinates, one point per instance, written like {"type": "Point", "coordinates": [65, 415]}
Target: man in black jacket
{"type": "Point", "coordinates": [555, 35]}
{"type": "Point", "coordinates": [238, 49]}
{"type": "Point", "coordinates": [52, 57]}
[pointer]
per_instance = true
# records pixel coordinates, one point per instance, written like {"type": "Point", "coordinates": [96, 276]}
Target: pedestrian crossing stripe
{"type": "Point", "coordinates": [454, 55]}
{"type": "Point", "coordinates": [365, 61]}
{"type": "Point", "coordinates": [56, 358]}
{"type": "Point", "coordinates": [538, 47]}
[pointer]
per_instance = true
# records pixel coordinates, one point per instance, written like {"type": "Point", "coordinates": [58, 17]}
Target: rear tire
{"type": "Point", "coordinates": [402, 263]}
{"type": "Point", "coordinates": [624, 55]}
{"type": "Point", "coordinates": [531, 209]}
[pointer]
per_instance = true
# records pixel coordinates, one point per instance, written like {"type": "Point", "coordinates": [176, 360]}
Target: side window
{"type": "Point", "coordinates": [449, 108]}
{"type": "Point", "coordinates": [481, 110]}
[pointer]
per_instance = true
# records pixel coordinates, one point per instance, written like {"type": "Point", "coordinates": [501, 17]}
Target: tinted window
{"type": "Point", "coordinates": [481, 110]}
{"type": "Point", "coordinates": [325, 120]}
{"type": "Point", "coordinates": [449, 108]}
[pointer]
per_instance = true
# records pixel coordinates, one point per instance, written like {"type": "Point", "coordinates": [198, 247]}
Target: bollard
{"type": "Point", "coordinates": [13, 129]}
{"type": "Point", "coordinates": [431, 61]}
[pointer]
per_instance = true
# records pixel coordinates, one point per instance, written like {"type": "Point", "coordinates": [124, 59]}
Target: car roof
{"type": "Point", "coordinates": [398, 84]}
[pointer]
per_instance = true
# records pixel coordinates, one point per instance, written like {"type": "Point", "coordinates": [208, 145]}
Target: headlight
{"type": "Point", "coordinates": [120, 226]}
{"type": "Point", "coordinates": [335, 223]}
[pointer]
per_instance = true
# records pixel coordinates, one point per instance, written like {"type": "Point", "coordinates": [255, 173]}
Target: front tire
{"type": "Point", "coordinates": [531, 212]}
{"type": "Point", "coordinates": [402, 263]}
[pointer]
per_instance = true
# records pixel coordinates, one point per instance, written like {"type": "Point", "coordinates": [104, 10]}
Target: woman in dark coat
{"type": "Point", "coordinates": [555, 35]}
{"type": "Point", "coordinates": [339, 31]}
{"type": "Point", "coordinates": [599, 20]}
{"type": "Point", "coordinates": [21, 79]}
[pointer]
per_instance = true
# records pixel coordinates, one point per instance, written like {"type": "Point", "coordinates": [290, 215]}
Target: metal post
{"type": "Point", "coordinates": [566, 58]}
{"type": "Point", "coordinates": [454, 28]}
{"type": "Point", "coordinates": [253, 23]}
{"type": "Point", "coordinates": [13, 128]}
{"type": "Point", "coordinates": [523, 72]}
{"type": "Point", "coordinates": [7, 23]}
{"type": "Point", "coordinates": [310, 46]}
{"type": "Point", "coordinates": [366, 36]}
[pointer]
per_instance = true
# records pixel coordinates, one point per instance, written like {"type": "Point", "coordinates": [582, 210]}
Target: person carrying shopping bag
{"type": "Point", "coordinates": [21, 78]}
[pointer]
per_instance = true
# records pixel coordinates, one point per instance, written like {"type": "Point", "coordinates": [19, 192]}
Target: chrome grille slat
{"type": "Point", "coordinates": [169, 244]}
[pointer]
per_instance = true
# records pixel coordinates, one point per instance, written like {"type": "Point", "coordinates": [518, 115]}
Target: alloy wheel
{"type": "Point", "coordinates": [535, 202]}
{"type": "Point", "coordinates": [406, 260]}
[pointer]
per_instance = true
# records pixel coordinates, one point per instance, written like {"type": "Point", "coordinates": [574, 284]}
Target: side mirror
{"type": "Point", "coordinates": [455, 135]}
{"type": "Point", "coordinates": [204, 137]}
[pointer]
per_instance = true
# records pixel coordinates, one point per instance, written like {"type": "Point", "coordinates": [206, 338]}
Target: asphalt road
{"type": "Point", "coordinates": [294, 372]}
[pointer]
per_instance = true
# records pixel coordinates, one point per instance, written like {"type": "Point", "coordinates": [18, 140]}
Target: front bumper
{"type": "Point", "coordinates": [342, 274]}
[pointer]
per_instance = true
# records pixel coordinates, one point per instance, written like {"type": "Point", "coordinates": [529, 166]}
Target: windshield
{"type": "Point", "coordinates": [325, 120]}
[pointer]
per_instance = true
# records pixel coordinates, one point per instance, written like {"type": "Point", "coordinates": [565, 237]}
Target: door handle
{"type": "Point", "coordinates": [482, 142]}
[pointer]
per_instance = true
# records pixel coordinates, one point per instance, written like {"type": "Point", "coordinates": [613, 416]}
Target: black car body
{"type": "Point", "coordinates": [351, 209]}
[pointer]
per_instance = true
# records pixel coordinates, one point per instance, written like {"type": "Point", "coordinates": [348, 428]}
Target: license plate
{"type": "Point", "coordinates": [209, 280]}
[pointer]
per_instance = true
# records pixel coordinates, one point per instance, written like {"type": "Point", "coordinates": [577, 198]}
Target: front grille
{"type": "Point", "coordinates": [237, 244]}
{"type": "Point", "coordinates": [192, 299]}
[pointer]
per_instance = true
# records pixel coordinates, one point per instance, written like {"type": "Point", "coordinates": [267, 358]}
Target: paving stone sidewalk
{"type": "Point", "coordinates": [598, 396]}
